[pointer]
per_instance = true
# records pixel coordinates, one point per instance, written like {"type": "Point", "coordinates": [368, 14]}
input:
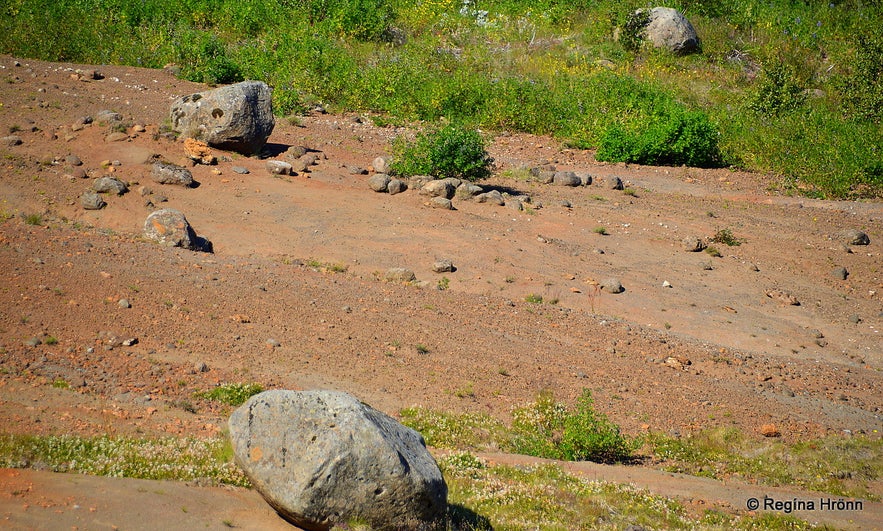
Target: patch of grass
{"type": "Point", "coordinates": [600, 230]}
{"type": "Point", "coordinates": [443, 283]}
{"type": "Point", "coordinates": [546, 497]}
{"type": "Point", "coordinates": [543, 428]}
{"type": "Point", "coordinates": [713, 251]}
{"type": "Point", "coordinates": [421, 348]}
{"type": "Point", "coordinates": [184, 459]}
{"type": "Point", "coordinates": [726, 237]}
{"type": "Point", "coordinates": [326, 267]}
{"type": "Point", "coordinates": [841, 466]}
{"type": "Point", "coordinates": [466, 391]}
{"type": "Point", "coordinates": [533, 298]}
{"type": "Point", "coordinates": [233, 394]}
{"type": "Point", "coordinates": [60, 383]}
{"type": "Point", "coordinates": [51, 340]}
{"type": "Point", "coordinates": [34, 219]}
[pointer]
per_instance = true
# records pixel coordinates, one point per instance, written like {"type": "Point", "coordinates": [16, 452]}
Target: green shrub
{"type": "Point", "coordinates": [860, 89]}
{"type": "Point", "coordinates": [549, 429]}
{"type": "Point", "coordinates": [232, 394]}
{"type": "Point", "coordinates": [203, 59]}
{"type": "Point", "coordinates": [675, 138]}
{"type": "Point", "coordinates": [633, 31]}
{"type": "Point", "coordinates": [452, 151]}
{"type": "Point", "coordinates": [778, 93]}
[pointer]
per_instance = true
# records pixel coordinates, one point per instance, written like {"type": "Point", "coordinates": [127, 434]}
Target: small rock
{"type": "Point", "coordinates": [33, 342]}
{"type": "Point", "coordinates": [116, 136]}
{"type": "Point", "coordinates": [165, 173]}
{"type": "Point", "coordinates": [855, 318]}
{"type": "Point", "coordinates": [170, 227]}
{"type": "Point", "coordinates": [272, 343]}
{"type": "Point", "coordinates": [124, 303]}
{"type": "Point", "coordinates": [856, 237]}
{"type": "Point", "coordinates": [108, 116]}
{"type": "Point", "coordinates": [200, 367]}
{"type": "Point", "coordinates": [753, 268]}
{"type": "Point", "coordinates": [666, 284]}
{"type": "Point", "coordinates": [442, 203]}
{"type": "Point", "coordinates": [493, 197]}
{"type": "Point", "coordinates": [91, 200]}
{"type": "Point", "coordinates": [613, 182]}
{"type": "Point", "coordinates": [612, 285]}
{"type": "Point", "coordinates": [379, 182]}
{"type": "Point", "coordinates": [381, 164]}
{"type": "Point", "coordinates": [566, 178]}
{"type": "Point", "coordinates": [295, 152]}
{"type": "Point", "coordinates": [278, 167]}
{"type": "Point", "coordinates": [240, 170]}
{"type": "Point", "coordinates": [443, 266]}
{"type": "Point", "coordinates": [199, 152]}
{"type": "Point", "coordinates": [770, 430]}
{"type": "Point", "coordinates": [10, 141]}
{"type": "Point", "coordinates": [840, 273]}
{"type": "Point", "coordinates": [693, 244]}
{"type": "Point", "coordinates": [565, 203]}
{"type": "Point", "coordinates": [110, 185]}
{"type": "Point", "coordinates": [783, 296]}
{"type": "Point", "coordinates": [396, 186]}
{"type": "Point", "coordinates": [357, 170]}
{"type": "Point", "coordinates": [399, 274]}
{"type": "Point", "coordinates": [586, 179]}
{"type": "Point", "coordinates": [73, 160]}
{"type": "Point", "coordinates": [438, 188]}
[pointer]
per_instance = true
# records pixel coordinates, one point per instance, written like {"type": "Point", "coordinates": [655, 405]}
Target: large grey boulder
{"type": "Point", "coordinates": [236, 117]}
{"type": "Point", "coordinates": [439, 188]}
{"type": "Point", "coordinates": [671, 30]}
{"type": "Point", "coordinates": [322, 457]}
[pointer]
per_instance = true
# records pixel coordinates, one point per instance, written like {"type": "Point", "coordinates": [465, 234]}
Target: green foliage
{"type": "Point", "coordinates": [549, 429]}
{"type": "Point", "coordinates": [184, 459]}
{"type": "Point", "coordinates": [726, 237]}
{"type": "Point", "coordinates": [860, 89]}
{"type": "Point", "coordinates": [232, 394]}
{"type": "Point", "coordinates": [451, 151]}
{"type": "Point", "coordinates": [634, 30]}
{"type": "Point", "coordinates": [675, 138]}
{"type": "Point", "coordinates": [34, 219]}
{"type": "Point", "coordinates": [778, 93]}
{"type": "Point", "coordinates": [842, 466]}
{"type": "Point", "coordinates": [541, 67]}
{"type": "Point", "coordinates": [533, 298]}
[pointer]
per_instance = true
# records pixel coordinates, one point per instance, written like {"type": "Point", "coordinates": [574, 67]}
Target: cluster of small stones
{"type": "Point", "coordinates": [297, 160]}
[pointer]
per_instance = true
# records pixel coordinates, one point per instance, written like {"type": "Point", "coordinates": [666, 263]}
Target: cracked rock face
{"type": "Point", "coordinates": [322, 457]}
{"type": "Point", "coordinates": [236, 117]}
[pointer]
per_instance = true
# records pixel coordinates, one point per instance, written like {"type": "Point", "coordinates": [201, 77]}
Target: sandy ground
{"type": "Point", "coordinates": [693, 342]}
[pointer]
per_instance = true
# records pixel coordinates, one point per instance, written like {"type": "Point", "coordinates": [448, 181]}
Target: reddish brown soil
{"type": "Point", "coordinates": [752, 359]}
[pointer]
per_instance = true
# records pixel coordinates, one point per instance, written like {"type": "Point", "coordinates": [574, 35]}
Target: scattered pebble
{"type": "Point", "coordinates": [240, 170]}
{"type": "Point", "coordinates": [840, 273]}
{"type": "Point", "coordinates": [124, 303]}
{"type": "Point", "coordinates": [272, 343]}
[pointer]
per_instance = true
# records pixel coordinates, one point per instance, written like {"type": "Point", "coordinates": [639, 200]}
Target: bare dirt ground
{"type": "Point", "coordinates": [744, 358]}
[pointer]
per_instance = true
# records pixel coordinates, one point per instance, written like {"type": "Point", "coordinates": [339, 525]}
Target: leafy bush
{"type": "Point", "coordinates": [232, 394]}
{"type": "Point", "coordinates": [778, 91]}
{"type": "Point", "coordinates": [549, 429]}
{"type": "Point", "coordinates": [204, 60]}
{"type": "Point", "coordinates": [633, 31]}
{"type": "Point", "coordinates": [679, 137]}
{"type": "Point", "coordinates": [452, 151]}
{"type": "Point", "coordinates": [861, 90]}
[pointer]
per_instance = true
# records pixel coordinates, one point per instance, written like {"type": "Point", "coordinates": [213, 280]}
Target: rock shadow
{"type": "Point", "coordinates": [462, 518]}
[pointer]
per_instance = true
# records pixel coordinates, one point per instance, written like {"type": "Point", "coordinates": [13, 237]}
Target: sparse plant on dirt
{"type": "Point", "coordinates": [34, 219]}
{"type": "Point", "coordinates": [726, 237]}
{"type": "Point", "coordinates": [443, 283]}
{"type": "Point", "coordinates": [600, 230]}
{"type": "Point", "coordinates": [233, 394]}
{"type": "Point", "coordinates": [713, 251]}
{"type": "Point", "coordinates": [533, 298]}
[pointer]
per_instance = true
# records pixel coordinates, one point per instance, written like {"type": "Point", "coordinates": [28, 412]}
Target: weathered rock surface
{"type": "Point", "coordinates": [396, 186]}
{"type": "Point", "coordinates": [322, 457]}
{"type": "Point", "coordinates": [381, 164]}
{"type": "Point", "coordinates": [278, 167]}
{"type": "Point", "coordinates": [169, 227]}
{"type": "Point", "coordinates": [856, 237]}
{"type": "Point", "coordinates": [236, 117]}
{"type": "Point", "coordinates": [669, 29]}
{"type": "Point", "coordinates": [166, 173]}
{"type": "Point", "coordinates": [110, 185]}
{"type": "Point", "coordinates": [379, 182]}
{"type": "Point", "coordinates": [91, 200]}
{"type": "Point", "coordinates": [439, 188]}
{"type": "Point", "coordinates": [566, 178]}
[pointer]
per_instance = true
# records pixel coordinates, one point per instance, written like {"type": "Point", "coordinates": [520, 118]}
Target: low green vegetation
{"type": "Point", "coordinates": [543, 428]}
{"type": "Point", "coordinates": [483, 496]}
{"type": "Point", "coordinates": [233, 394]}
{"type": "Point", "coordinates": [786, 88]}
{"type": "Point", "coordinates": [451, 151]}
{"type": "Point", "coordinates": [327, 267]}
{"type": "Point", "coordinates": [841, 466]}
{"type": "Point", "coordinates": [726, 237]}
{"type": "Point", "coordinates": [180, 459]}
